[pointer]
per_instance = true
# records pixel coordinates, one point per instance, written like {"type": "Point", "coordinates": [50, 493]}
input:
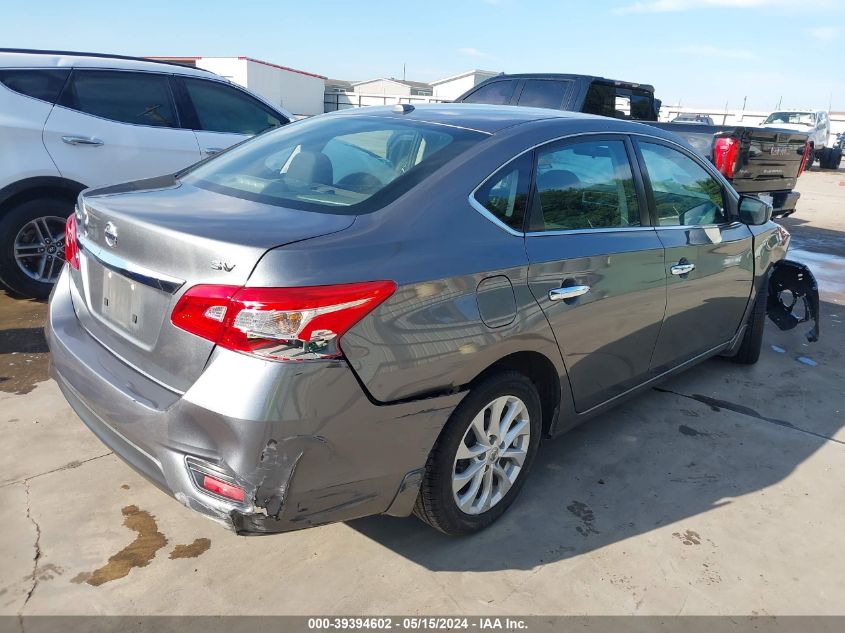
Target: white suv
{"type": "Point", "coordinates": [69, 121]}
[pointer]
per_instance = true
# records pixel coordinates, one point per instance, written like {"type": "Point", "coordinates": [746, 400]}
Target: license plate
{"type": "Point", "coordinates": [121, 301]}
{"type": "Point", "coordinates": [766, 198]}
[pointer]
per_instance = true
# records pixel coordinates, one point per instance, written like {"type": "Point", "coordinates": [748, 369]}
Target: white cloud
{"type": "Point", "coordinates": [824, 33]}
{"type": "Point", "coordinates": [714, 51]}
{"type": "Point", "coordinates": [473, 52]}
{"type": "Point", "coordinates": [668, 6]}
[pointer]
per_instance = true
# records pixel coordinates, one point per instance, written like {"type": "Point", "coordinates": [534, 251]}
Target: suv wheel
{"type": "Point", "coordinates": [483, 455]}
{"type": "Point", "coordinates": [32, 245]}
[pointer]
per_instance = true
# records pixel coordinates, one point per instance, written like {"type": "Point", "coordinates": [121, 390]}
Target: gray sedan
{"type": "Point", "coordinates": [385, 310]}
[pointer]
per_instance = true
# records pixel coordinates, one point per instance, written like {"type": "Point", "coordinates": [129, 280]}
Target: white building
{"type": "Point", "coordinates": [452, 87]}
{"type": "Point", "coordinates": [297, 91]}
{"type": "Point", "coordinates": [342, 94]}
{"type": "Point", "coordinates": [392, 87]}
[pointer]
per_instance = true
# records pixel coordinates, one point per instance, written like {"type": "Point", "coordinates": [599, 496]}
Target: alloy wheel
{"type": "Point", "coordinates": [40, 248]}
{"type": "Point", "coordinates": [491, 454]}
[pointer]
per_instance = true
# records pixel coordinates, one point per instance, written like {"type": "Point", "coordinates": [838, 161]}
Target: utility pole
{"type": "Point", "coordinates": [403, 71]}
{"type": "Point", "coordinates": [777, 107]}
{"type": "Point", "coordinates": [744, 99]}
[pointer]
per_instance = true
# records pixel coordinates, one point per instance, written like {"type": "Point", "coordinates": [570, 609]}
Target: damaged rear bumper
{"type": "Point", "coordinates": [300, 439]}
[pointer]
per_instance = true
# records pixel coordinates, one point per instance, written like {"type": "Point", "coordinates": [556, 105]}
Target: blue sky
{"type": "Point", "coordinates": [701, 52]}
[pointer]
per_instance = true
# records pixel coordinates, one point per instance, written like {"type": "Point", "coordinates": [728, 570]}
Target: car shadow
{"type": "Point", "coordinates": [695, 443]}
{"type": "Point", "coordinates": [28, 340]}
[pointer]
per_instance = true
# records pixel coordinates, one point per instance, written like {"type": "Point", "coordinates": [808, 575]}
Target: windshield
{"type": "Point", "coordinates": [793, 118]}
{"type": "Point", "coordinates": [334, 164]}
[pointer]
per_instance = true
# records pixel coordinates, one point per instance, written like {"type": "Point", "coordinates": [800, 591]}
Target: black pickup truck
{"type": "Point", "coordinates": [758, 161]}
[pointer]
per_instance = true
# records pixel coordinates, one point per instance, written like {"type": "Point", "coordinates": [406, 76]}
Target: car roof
{"type": "Point", "coordinates": [491, 119]}
{"type": "Point", "coordinates": [472, 116]}
{"type": "Point", "coordinates": [31, 58]}
{"type": "Point", "coordinates": [628, 84]}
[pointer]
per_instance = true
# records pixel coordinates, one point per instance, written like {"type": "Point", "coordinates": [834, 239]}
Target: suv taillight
{"type": "Point", "coordinates": [71, 245]}
{"type": "Point", "coordinates": [806, 159]}
{"type": "Point", "coordinates": [278, 323]}
{"type": "Point", "coordinates": [725, 154]}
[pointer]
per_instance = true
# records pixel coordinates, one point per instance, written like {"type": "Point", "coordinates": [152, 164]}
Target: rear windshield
{"type": "Point", "coordinates": [334, 164]}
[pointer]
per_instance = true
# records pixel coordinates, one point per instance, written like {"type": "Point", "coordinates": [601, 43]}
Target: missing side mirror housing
{"type": "Point", "coordinates": [754, 211]}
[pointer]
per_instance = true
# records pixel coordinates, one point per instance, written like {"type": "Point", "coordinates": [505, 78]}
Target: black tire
{"type": "Point", "coordinates": [830, 158]}
{"type": "Point", "coordinates": [752, 340]}
{"type": "Point", "coordinates": [436, 504]}
{"type": "Point", "coordinates": [11, 223]}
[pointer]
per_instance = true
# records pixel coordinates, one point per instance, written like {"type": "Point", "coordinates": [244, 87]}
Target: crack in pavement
{"type": "Point", "coordinates": [717, 405]}
{"type": "Point", "coordinates": [73, 464]}
{"type": "Point", "coordinates": [37, 555]}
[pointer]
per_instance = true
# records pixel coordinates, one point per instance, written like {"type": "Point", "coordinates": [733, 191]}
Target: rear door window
{"type": "Point", "coordinates": [494, 93]}
{"type": "Point", "coordinates": [600, 99]}
{"type": "Point", "coordinates": [39, 83]}
{"type": "Point", "coordinates": [586, 185]}
{"type": "Point", "coordinates": [543, 93]}
{"type": "Point", "coordinates": [222, 108]}
{"type": "Point", "coordinates": [126, 97]}
{"type": "Point", "coordinates": [619, 102]}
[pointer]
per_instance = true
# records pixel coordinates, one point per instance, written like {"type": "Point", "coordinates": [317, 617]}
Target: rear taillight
{"type": "Point", "coordinates": [725, 154]}
{"type": "Point", "coordinates": [806, 159]}
{"type": "Point", "coordinates": [71, 245]}
{"type": "Point", "coordinates": [278, 323]}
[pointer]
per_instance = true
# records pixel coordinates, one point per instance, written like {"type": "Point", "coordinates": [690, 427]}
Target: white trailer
{"type": "Point", "coordinates": [297, 91]}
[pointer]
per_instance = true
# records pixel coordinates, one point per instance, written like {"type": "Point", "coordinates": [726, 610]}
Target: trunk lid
{"type": "Point", "coordinates": [142, 245]}
{"type": "Point", "coordinates": [769, 159]}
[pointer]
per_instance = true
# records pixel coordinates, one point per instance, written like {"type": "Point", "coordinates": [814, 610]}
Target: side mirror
{"type": "Point", "coordinates": [754, 211]}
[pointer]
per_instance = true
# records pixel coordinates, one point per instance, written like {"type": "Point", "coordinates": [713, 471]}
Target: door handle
{"type": "Point", "coordinates": [682, 269]}
{"type": "Point", "coordinates": [82, 140]}
{"type": "Point", "coordinates": [211, 151]}
{"type": "Point", "coordinates": [569, 292]}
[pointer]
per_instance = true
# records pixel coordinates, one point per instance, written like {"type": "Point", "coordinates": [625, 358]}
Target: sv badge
{"type": "Point", "coordinates": [219, 264]}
